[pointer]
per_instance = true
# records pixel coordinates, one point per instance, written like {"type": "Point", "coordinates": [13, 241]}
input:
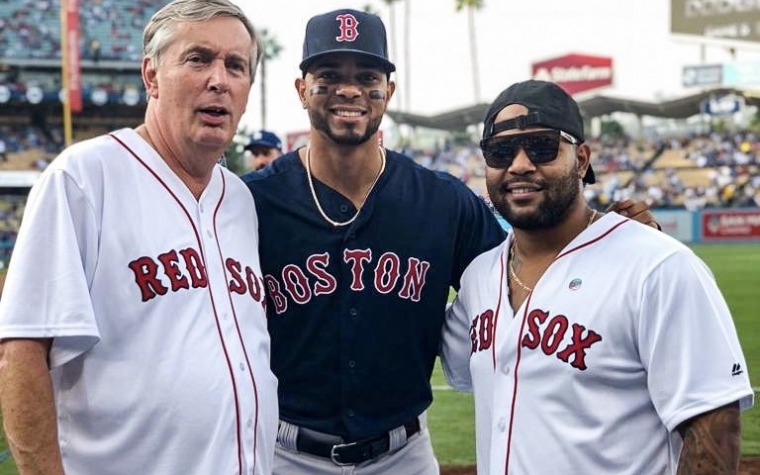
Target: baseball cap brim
{"type": "Point", "coordinates": [383, 63]}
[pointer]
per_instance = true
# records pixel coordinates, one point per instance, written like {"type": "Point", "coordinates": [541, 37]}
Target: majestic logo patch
{"type": "Point", "coordinates": [736, 370]}
{"type": "Point", "coordinates": [348, 28]}
{"type": "Point", "coordinates": [575, 284]}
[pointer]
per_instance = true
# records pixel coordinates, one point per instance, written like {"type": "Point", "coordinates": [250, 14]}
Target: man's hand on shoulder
{"type": "Point", "coordinates": [635, 210]}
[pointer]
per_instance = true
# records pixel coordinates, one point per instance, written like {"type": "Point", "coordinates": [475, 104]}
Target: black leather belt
{"type": "Point", "coordinates": [352, 453]}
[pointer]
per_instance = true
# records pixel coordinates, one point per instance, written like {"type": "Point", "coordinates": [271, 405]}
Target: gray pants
{"type": "Point", "coordinates": [406, 457]}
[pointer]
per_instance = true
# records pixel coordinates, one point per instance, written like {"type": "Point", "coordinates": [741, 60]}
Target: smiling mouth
{"type": "Point", "coordinates": [348, 114]}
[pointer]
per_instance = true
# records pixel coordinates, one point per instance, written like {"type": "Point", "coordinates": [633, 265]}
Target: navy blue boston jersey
{"type": "Point", "coordinates": [355, 312]}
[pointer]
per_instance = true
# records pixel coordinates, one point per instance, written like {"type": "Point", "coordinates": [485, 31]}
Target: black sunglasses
{"type": "Point", "coordinates": [541, 147]}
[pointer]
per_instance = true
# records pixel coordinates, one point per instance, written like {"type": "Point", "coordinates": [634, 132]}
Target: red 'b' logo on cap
{"type": "Point", "coordinates": [348, 27]}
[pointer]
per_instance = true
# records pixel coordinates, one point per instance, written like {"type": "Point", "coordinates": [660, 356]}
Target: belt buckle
{"type": "Point", "coordinates": [334, 456]}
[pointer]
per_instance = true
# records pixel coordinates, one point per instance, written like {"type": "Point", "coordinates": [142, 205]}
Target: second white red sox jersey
{"type": "Point", "coordinates": [155, 303]}
{"type": "Point", "coordinates": [625, 336]}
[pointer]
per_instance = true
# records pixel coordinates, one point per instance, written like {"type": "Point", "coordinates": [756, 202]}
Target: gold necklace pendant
{"type": "Point", "coordinates": [512, 272]}
{"type": "Point", "coordinates": [361, 205]}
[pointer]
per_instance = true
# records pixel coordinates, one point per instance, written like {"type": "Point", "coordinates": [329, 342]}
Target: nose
{"type": "Point", "coordinates": [218, 80]}
{"type": "Point", "coordinates": [521, 164]}
{"type": "Point", "coordinates": [348, 89]}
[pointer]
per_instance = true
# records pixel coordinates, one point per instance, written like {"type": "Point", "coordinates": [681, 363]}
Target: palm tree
{"type": "Point", "coordinates": [407, 59]}
{"type": "Point", "coordinates": [272, 49]}
{"type": "Point", "coordinates": [472, 6]}
{"type": "Point", "coordinates": [392, 24]}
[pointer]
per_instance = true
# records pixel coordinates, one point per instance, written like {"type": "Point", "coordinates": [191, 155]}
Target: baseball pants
{"type": "Point", "coordinates": [415, 457]}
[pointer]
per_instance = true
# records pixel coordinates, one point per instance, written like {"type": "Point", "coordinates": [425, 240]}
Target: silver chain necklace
{"type": "Point", "coordinates": [359, 208]}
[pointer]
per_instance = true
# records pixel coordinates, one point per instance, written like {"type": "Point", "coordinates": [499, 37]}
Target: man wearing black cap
{"type": "Point", "coordinates": [592, 344]}
{"type": "Point", "coordinates": [263, 148]}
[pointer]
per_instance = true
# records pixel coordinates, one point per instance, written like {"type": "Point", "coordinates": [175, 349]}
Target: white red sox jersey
{"type": "Point", "coordinates": [625, 336]}
{"type": "Point", "coordinates": [154, 301]}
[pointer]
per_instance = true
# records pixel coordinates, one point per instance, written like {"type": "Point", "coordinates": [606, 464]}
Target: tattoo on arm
{"type": "Point", "coordinates": [711, 442]}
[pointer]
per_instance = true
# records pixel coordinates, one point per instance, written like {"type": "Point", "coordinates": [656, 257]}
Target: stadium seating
{"type": "Point", "coordinates": [31, 29]}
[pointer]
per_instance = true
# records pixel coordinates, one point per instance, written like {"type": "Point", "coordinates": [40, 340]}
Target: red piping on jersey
{"type": "Point", "coordinates": [213, 304]}
{"type": "Point", "coordinates": [496, 315]}
{"type": "Point", "coordinates": [237, 327]}
{"type": "Point", "coordinates": [526, 305]}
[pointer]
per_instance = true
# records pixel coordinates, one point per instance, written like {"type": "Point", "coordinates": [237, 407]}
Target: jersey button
{"type": "Point", "coordinates": [208, 233]}
{"type": "Point", "coordinates": [350, 413]}
{"type": "Point", "coordinates": [505, 369]}
{"type": "Point", "coordinates": [242, 367]}
{"type": "Point", "coordinates": [353, 312]}
{"type": "Point", "coordinates": [343, 209]}
{"type": "Point", "coordinates": [352, 364]}
{"type": "Point", "coordinates": [502, 424]}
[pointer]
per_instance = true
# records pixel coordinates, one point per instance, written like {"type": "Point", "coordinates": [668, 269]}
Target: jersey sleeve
{"type": "Point", "coordinates": [455, 346]}
{"type": "Point", "coordinates": [688, 342]}
{"type": "Point", "coordinates": [46, 292]}
{"type": "Point", "coordinates": [479, 231]}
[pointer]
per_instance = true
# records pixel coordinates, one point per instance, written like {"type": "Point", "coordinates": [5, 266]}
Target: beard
{"type": "Point", "coordinates": [351, 137]}
{"type": "Point", "coordinates": [560, 194]}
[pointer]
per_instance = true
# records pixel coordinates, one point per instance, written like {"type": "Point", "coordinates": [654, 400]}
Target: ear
{"type": "Point", "coordinates": [300, 85]}
{"type": "Point", "coordinates": [149, 77]}
{"type": "Point", "coordinates": [389, 92]}
{"type": "Point", "coordinates": [583, 152]}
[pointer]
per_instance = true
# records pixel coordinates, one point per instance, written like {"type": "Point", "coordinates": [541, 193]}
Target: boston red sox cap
{"type": "Point", "coordinates": [548, 105]}
{"type": "Point", "coordinates": [346, 31]}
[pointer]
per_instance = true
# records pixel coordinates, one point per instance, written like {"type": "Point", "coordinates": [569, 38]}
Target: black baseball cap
{"type": "Point", "coordinates": [548, 105]}
{"type": "Point", "coordinates": [346, 31]}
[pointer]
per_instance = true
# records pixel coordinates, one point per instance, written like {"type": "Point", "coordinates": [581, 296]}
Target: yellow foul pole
{"type": "Point", "coordinates": [67, 135]}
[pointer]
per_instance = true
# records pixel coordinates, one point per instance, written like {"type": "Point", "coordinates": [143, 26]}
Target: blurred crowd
{"type": "Point", "coordinates": [111, 29]}
{"type": "Point", "coordinates": [713, 170]}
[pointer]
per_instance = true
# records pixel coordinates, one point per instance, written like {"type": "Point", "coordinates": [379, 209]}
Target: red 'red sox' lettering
{"type": "Point", "coordinates": [548, 335]}
{"type": "Point", "coordinates": [553, 333]}
{"type": "Point", "coordinates": [151, 275]}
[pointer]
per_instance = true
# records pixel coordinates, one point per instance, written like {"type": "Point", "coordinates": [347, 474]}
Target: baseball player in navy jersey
{"type": "Point", "coordinates": [132, 320]}
{"type": "Point", "coordinates": [359, 247]}
{"type": "Point", "coordinates": [592, 344]}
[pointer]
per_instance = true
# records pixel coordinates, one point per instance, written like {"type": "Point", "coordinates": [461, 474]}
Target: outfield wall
{"type": "Point", "coordinates": [713, 225]}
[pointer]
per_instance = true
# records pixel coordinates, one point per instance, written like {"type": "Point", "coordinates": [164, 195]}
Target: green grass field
{"type": "Point", "coordinates": [737, 269]}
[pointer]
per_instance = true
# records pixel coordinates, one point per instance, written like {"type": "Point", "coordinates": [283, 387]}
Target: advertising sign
{"type": "Point", "coordinates": [734, 20]}
{"type": "Point", "coordinates": [702, 75]}
{"type": "Point", "coordinates": [721, 106]}
{"type": "Point", "coordinates": [72, 55]}
{"type": "Point", "coordinates": [575, 72]}
{"type": "Point", "coordinates": [731, 225]}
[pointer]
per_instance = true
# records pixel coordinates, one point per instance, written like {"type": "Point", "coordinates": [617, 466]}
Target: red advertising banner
{"type": "Point", "coordinates": [732, 225]}
{"type": "Point", "coordinates": [575, 72]}
{"type": "Point", "coordinates": [74, 93]}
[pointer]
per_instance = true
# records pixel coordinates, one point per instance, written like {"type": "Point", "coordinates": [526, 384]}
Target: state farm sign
{"type": "Point", "coordinates": [575, 72]}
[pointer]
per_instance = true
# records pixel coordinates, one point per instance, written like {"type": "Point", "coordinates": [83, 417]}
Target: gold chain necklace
{"type": "Point", "coordinates": [512, 251]}
{"type": "Point", "coordinates": [366, 195]}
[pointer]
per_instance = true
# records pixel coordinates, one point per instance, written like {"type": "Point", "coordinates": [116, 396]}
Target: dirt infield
{"type": "Point", "coordinates": [747, 466]}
